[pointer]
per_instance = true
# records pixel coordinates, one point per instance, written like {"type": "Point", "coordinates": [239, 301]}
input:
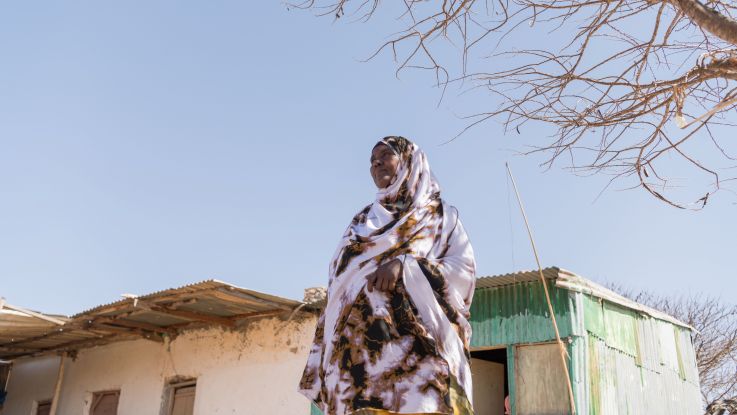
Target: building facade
{"type": "Point", "coordinates": [204, 371]}
{"type": "Point", "coordinates": [213, 348]}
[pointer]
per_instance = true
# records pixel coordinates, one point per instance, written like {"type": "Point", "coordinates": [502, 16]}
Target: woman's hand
{"type": "Point", "coordinates": [385, 277]}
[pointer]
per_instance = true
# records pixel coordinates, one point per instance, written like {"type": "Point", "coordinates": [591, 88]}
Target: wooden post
{"type": "Point", "coordinates": [561, 347]}
{"type": "Point", "coordinates": [57, 388]}
{"type": "Point", "coordinates": [7, 378]}
{"type": "Point", "coordinates": [512, 378]}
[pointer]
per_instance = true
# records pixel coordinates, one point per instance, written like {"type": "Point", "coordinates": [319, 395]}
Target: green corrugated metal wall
{"type": "Point", "coordinates": [638, 364]}
{"type": "Point", "coordinates": [626, 356]}
{"type": "Point", "coordinates": [518, 313]}
{"type": "Point", "coordinates": [617, 325]}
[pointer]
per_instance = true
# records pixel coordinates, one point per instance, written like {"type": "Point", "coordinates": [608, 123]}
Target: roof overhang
{"type": "Point", "coordinates": [156, 317]}
{"type": "Point", "coordinates": [570, 281]}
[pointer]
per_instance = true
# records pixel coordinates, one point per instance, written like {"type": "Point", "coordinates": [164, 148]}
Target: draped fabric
{"type": "Point", "coordinates": [404, 351]}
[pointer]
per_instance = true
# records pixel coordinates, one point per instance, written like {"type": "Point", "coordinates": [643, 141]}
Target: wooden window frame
{"type": "Point", "coordinates": [36, 404]}
{"type": "Point", "coordinates": [169, 391]}
{"type": "Point", "coordinates": [99, 393]}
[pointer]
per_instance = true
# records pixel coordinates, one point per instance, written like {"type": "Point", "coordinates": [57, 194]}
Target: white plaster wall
{"type": "Point", "coordinates": [252, 371]}
{"type": "Point", "coordinates": [31, 380]}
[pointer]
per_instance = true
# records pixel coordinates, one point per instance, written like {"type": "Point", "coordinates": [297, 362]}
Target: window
{"type": "Point", "coordinates": [105, 403]}
{"type": "Point", "coordinates": [180, 397]}
{"type": "Point", "coordinates": [43, 407]}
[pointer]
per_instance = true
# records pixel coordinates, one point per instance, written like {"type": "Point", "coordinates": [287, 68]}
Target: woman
{"type": "Point", "coordinates": [394, 335]}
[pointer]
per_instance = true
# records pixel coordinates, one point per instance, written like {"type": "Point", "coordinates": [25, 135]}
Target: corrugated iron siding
{"type": "Point", "coordinates": [518, 313]}
{"type": "Point", "coordinates": [578, 351]}
{"type": "Point", "coordinates": [655, 344]}
{"type": "Point", "coordinates": [688, 355]}
{"type": "Point", "coordinates": [619, 386]}
{"type": "Point", "coordinates": [638, 364]}
{"type": "Point", "coordinates": [622, 361]}
{"type": "Point", "coordinates": [614, 323]}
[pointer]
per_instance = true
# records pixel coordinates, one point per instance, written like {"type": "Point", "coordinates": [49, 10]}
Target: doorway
{"type": "Point", "coordinates": [490, 383]}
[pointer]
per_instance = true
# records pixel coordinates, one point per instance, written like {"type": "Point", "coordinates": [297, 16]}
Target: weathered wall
{"type": "Point", "coordinates": [31, 380]}
{"type": "Point", "coordinates": [252, 371]}
{"type": "Point", "coordinates": [638, 364]}
{"type": "Point", "coordinates": [518, 314]}
{"type": "Point", "coordinates": [620, 386]}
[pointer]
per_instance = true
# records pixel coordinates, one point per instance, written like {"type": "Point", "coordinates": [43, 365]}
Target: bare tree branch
{"type": "Point", "coordinates": [629, 82]}
{"type": "Point", "coordinates": [709, 19]}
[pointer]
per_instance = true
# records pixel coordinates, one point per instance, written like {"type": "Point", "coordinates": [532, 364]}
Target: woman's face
{"type": "Point", "coordinates": [384, 165]}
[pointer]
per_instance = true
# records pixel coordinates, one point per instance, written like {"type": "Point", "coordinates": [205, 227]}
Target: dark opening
{"type": "Point", "coordinates": [488, 398]}
{"type": "Point", "coordinates": [496, 356]}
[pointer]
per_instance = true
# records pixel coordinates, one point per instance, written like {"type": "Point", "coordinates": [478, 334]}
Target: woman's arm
{"type": "Point", "coordinates": [458, 264]}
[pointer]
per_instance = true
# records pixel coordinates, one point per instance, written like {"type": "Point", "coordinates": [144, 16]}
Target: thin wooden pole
{"type": "Point", "coordinates": [57, 388]}
{"type": "Point", "coordinates": [561, 346]}
{"type": "Point", "coordinates": [7, 378]}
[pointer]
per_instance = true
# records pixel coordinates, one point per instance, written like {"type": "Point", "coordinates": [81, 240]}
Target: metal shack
{"type": "Point", "coordinates": [625, 358]}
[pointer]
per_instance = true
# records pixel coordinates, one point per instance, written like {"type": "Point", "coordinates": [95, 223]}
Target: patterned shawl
{"type": "Point", "coordinates": [405, 351]}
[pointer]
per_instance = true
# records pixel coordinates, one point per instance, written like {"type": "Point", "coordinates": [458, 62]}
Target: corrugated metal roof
{"type": "Point", "coordinates": [570, 281]}
{"type": "Point", "coordinates": [195, 289]}
{"type": "Point", "coordinates": [516, 277]}
{"type": "Point", "coordinates": [15, 324]}
{"type": "Point", "coordinates": [153, 316]}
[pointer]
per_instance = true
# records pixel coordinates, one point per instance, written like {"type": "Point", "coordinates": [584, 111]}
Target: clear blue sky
{"type": "Point", "coordinates": [146, 145]}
